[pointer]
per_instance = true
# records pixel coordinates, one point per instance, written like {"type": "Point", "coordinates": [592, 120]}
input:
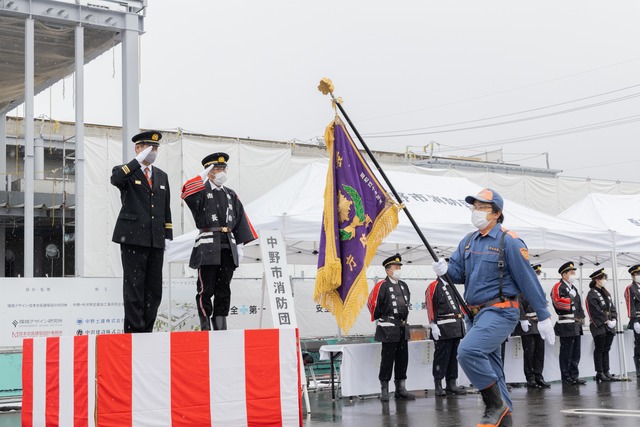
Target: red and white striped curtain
{"type": "Point", "coordinates": [226, 378]}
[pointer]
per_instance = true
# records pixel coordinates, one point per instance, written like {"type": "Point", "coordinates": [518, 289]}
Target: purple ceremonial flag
{"type": "Point", "coordinates": [358, 215]}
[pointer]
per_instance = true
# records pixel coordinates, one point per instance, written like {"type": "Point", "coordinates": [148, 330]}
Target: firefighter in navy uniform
{"type": "Point", "coordinates": [568, 307]}
{"type": "Point", "coordinates": [223, 225]}
{"type": "Point", "coordinates": [446, 319]}
{"type": "Point", "coordinates": [632, 296]}
{"type": "Point", "coordinates": [388, 304]}
{"type": "Point", "coordinates": [142, 230]}
{"type": "Point", "coordinates": [603, 321]}
{"type": "Point", "coordinates": [532, 342]}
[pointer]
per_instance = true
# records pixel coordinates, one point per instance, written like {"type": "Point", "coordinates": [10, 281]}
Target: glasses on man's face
{"type": "Point", "coordinates": [483, 208]}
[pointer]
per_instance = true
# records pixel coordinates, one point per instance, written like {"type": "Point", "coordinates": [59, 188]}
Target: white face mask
{"type": "Point", "coordinates": [479, 219]}
{"type": "Point", "coordinates": [151, 157]}
{"type": "Point", "coordinates": [220, 178]}
{"type": "Point", "coordinates": [396, 274]}
{"type": "Point", "coordinates": [572, 279]}
{"type": "Point", "coordinates": [636, 279]}
{"type": "Point", "coordinates": [603, 284]}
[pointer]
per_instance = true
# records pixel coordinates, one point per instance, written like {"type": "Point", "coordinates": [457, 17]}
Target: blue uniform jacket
{"type": "Point", "coordinates": [482, 280]}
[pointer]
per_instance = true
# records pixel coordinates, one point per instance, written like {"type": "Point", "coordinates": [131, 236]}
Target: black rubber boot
{"type": "Point", "coordinates": [452, 388]}
{"type": "Point", "coordinates": [439, 390]}
{"type": "Point", "coordinates": [384, 391]}
{"type": "Point", "coordinates": [220, 323]}
{"type": "Point", "coordinates": [495, 408]}
{"type": "Point", "coordinates": [600, 377]}
{"type": "Point", "coordinates": [205, 323]}
{"type": "Point", "coordinates": [401, 391]}
{"type": "Point", "coordinates": [542, 383]}
{"type": "Point", "coordinates": [507, 421]}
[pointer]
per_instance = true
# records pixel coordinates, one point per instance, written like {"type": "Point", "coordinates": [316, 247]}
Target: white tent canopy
{"type": "Point", "coordinates": [619, 214]}
{"type": "Point", "coordinates": [436, 203]}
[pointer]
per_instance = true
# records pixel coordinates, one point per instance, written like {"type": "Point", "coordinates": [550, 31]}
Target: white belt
{"type": "Point", "coordinates": [385, 324]}
{"type": "Point", "coordinates": [567, 321]}
{"type": "Point", "coordinates": [532, 314]}
{"type": "Point", "coordinates": [442, 322]}
{"type": "Point", "coordinates": [566, 316]}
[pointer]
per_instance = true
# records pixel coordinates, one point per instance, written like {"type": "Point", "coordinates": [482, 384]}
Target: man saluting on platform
{"type": "Point", "coordinates": [142, 230]}
{"type": "Point", "coordinates": [388, 304]}
{"type": "Point", "coordinates": [221, 220]}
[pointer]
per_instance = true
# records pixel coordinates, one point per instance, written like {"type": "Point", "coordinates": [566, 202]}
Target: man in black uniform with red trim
{"type": "Point", "coordinates": [223, 224]}
{"type": "Point", "coordinates": [632, 296]}
{"type": "Point", "coordinates": [532, 342]}
{"type": "Point", "coordinates": [446, 319]}
{"type": "Point", "coordinates": [142, 230]}
{"type": "Point", "coordinates": [388, 304]}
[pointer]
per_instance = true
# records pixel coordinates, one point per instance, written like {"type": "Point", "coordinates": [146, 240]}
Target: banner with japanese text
{"type": "Point", "coordinates": [358, 214]}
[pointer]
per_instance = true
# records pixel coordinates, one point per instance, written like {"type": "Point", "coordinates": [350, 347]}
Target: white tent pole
{"type": "Point", "coordinates": [621, 346]}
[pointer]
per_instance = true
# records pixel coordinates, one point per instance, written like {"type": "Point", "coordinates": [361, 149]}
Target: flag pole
{"type": "Point", "coordinates": [326, 87]}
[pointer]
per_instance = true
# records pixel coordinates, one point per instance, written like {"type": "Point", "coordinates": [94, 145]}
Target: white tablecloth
{"type": "Point", "coordinates": [361, 363]}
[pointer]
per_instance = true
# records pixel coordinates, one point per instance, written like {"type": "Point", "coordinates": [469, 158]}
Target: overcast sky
{"type": "Point", "coordinates": [451, 72]}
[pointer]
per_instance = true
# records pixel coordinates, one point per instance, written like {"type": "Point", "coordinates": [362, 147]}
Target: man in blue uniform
{"type": "Point", "coordinates": [142, 230]}
{"type": "Point", "coordinates": [493, 263]}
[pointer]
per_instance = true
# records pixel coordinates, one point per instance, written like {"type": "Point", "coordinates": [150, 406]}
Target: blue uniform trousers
{"type": "Point", "coordinates": [479, 351]}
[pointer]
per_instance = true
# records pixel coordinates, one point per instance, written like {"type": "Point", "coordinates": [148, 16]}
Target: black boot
{"type": "Point", "coordinates": [439, 390]}
{"type": "Point", "coordinates": [384, 391]}
{"type": "Point", "coordinates": [205, 323]}
{"type": "Point", "coordinates": [495, 408]}
{"type": "Point", "coordinates": [401, 391]}
{"type": "Point", "coordinates": [611, 377]}
{"type": "Point", "coordinates": [542, 383]}
{"type": "Point", "coordinates": [507, 421]}
{"type": "Point", "coordinates": [531, 383]}
{"type": "Point", "coordinates": [600, 377]}
{"type": "Point", "coordinates": [452, 388]}
{"type": "Point", "coordinates": [220, 323]}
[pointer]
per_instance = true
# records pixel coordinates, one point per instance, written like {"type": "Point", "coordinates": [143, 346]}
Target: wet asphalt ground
{"type": "Point", "coordinates": [593, 404]}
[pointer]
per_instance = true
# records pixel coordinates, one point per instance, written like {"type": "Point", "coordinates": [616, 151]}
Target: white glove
{"type": "Point", "coordinates": [205, 172]}
{"type": "Point", "coordinates": [546, 331]}
{"type": "Point", "coordinates": [636, 327]}
{"type": "Point", "coordinates": [572, 292]}
{"type": "Point", "coordinates": [525, 325]}
{"type": "Point", "coordinates": [440, 267]}
{"type": "Point", "coordinates": [435, 331]}
{"type": "Point", "coordinates": [611, 323]}
{"type": "Point", "coordinates": [143, 154]}
{"type": "Point", "coordinates": [167, 242]}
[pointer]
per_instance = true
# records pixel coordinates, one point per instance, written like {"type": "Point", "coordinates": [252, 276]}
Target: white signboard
{"type": "Point", "coordinates": [276, 274]}
{"type": "Point", "coordinates": [48, 307]}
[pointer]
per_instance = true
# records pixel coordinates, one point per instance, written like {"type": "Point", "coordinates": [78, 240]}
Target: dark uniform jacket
{"type": "Point", "coordinates": [389, 304]}
{"type": "Point", "coordinates": [200, 198]}
{"type": "Point", "coordinates": [632, 296]}
{"type": "Point", "coordinates": [145, 216]}
{"type": "Point", "coordinates": [569, 310]}
{"type": "Point", "coordinates": [526, 313]}
{"type": "Point", "coordinates": [444, 310]}
{"type": "Point", "coordinates": [601, 308]}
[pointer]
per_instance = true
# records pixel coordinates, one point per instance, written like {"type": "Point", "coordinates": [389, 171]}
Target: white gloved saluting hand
{"type": "Point", "coordinates": [435, 331]}
{"type": "Point", "coordinates": [143, 154]}
{"type": "Point", "coordinates": [546, 331]}
{"type": "Point", "coordinates": [205, 172]}
{"type": "Point", "coordinates": [525, 325]}
{"type": "Point", "coordinates": [440, 267]}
